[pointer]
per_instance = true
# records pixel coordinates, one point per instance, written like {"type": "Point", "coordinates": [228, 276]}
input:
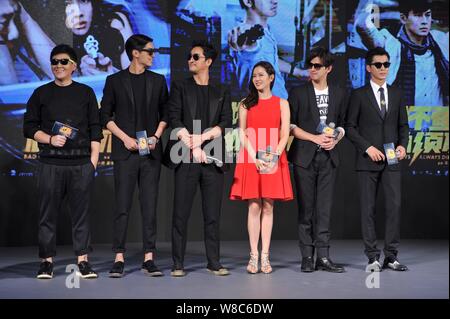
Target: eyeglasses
{"type": "Point", "coordinates": [316, 66]}
{"type": "Point", "coordinates": [62, 61]}
{"type": "Point", "coordinates": [378, 65]}
{"type": "Point", "coordinates": [149, 51]}
{"type": "Point", "coordinates": [194, 56]}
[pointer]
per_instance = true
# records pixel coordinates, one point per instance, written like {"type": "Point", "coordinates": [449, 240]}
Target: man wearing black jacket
{"type": "Point", "coordinates": [377, 116]}
{"type": "Point", "coordinates": [199, 113]}
{"type": "Point", "coordinates": [315, 158]}
{"type": "Point", "coordinates": [133, 101]}
{"type": "Point", "coordinates": [62, 116]}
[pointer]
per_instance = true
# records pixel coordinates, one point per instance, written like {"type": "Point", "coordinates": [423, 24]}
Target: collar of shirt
{"type": "Point", "coordinates": [375, 89]}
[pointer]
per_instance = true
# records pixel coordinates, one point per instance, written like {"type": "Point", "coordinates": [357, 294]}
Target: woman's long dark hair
{"type": "Point", "coordinates": [252, 97]}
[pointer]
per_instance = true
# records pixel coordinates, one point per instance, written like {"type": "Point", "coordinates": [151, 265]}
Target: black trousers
{"type": "Point", "coordinates": [144, 171]}
{"type": "Point", "coordinates": [369, 183]}
{"type": "Point", "coordinates": [187, 177]}
{"type": "Point", "coordinates": [315, 188]}
{"type": "Point", "coordinates": [55, 183]}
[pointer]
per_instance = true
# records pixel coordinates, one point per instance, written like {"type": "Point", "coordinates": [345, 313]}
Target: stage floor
{"type": "Point", "coordinates": [427, 260]}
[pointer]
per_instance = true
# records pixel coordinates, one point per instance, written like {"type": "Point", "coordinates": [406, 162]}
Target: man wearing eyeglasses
{"type": "Point", "coordinates": [377, 117]}
{"type": "Point", "coordinates": [62, 116]}
{"type": "Point", "coordinates": [134, 101]}
{"type": "Point", "coordinates": [199, 113]}
{"type": "Point", "coordinates": [316, 106]}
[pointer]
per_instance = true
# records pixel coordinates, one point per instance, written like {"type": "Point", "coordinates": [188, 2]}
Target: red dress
{"type": "Point", "coordinates": [263, 129]}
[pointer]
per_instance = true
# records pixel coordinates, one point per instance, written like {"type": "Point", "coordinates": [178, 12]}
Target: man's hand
{"type": "Point", "coordinates": [401, 152]}
{"type": "Point", "coordinates": [199, 155]}
{"type": "Point", "coordinates": [328, 146]}
{"type": "Point", "coordinates": [130, 143]}
{"type": "Point", "coordinates": [58, 140]}
{"type": "Point", "coordinates": [186, 138]}
{"type": "Point", "coordinates": [324, 140]}
{"type": "Point", "coordinates": [233, 35]}
{"type": "Point", "coordinates": [152, 146]}
{"type": "Point", "coordinates": [375, 154]}
{"type": "Point", "coordinates": [88, 65]}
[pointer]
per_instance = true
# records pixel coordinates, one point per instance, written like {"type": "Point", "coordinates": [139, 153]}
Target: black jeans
{"type": "Point", "coordinates": [210, 179]}
{"type": "Point", "coordinates": [369, 184]}
{"type": "Point", "coordinates": [55, 182]}
{"type": "Point", "coordinates": [144, 171]}
{"type": "Point", "coordinates": [315, 187]}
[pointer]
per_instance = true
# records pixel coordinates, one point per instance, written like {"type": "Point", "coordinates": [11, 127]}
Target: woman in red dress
{"type": "Point", "coordinates": [262, 171]}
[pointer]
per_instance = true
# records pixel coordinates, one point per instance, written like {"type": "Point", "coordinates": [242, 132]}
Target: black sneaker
{"type": "Point", "coordinates": [117, 270]}
{"type": "Point", "coordinates": [149, 268]}
{"type": "Point", "coordinates": [86, 271]}
{"type": "Point", "coordinates": [45, 270]}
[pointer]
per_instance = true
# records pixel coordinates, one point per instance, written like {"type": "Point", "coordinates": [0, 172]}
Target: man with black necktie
{"type": "Point", "coordinates": [199, 113]}
{"type": "Point", "coordinates": [133, 101]}
{"type": "Point", "coordinates": [377, 116]}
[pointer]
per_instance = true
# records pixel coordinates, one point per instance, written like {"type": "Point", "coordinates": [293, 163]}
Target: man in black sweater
{"type": "Point", "coordinates": [63, 117]}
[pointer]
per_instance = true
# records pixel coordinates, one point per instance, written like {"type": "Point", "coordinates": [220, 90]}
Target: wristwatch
{"type": "Point", "coordinates": [157, 138]}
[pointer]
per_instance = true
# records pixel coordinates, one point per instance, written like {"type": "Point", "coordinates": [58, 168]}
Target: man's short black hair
{"type": "Point", "coordinates": [64, 48]}
{"type": "Point", "coordinates": [375, 51]}
{"type": "Point", "coordinates": [208, 50]}
{"type": "Point", "coordinates": [243, 6]}
{"type": "Point", "coordinates": [418, 6]}
{"type": "Point", "coordinates": [323, 54]}
{"type": "Point", "coordinates": [136, 42]}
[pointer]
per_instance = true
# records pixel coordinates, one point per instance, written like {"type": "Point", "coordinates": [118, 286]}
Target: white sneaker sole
{"type": "Point", "coordinates": [45, 276]}
{"type": "Point", "coordinates": [89, 276]}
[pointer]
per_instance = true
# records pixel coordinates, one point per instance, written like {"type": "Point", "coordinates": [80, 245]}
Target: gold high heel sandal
{"type": "Point", "coordinates": [265, 263]}
{"type": "Point", "coordinates": [252, 267]}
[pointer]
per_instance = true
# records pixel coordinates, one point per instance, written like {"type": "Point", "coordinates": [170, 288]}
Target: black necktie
{"type": "Point", "coordinates": [382, 103]}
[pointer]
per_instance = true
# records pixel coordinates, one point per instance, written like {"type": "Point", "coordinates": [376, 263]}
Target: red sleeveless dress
{"type": "Point", "coordinates": [263, 129]}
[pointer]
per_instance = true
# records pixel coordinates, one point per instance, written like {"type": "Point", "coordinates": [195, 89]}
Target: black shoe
{"type": "Point", "coordinates": [393, 263]}
{"type": "Point", "coordinates": [374, 265]}
{"type": "Point", "coordinates": [218, 271]}
{"type": "Point", "coordinates": [149, 268]}
{"type": "Point", "coordinates": [86, 271]}
{"type": "Point", "coordinates": [45, 270]}
{"type": "Point", "coordinates": [307, 264]}
{"type": "Point", "coordinates": [326, 264]}
{"type": "Point", "coordinates": [117, 270]}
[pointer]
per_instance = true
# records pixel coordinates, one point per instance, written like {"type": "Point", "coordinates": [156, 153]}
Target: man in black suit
{"type": "Point", "coordinates": [377, 116]}
{"type": "Point", "coordinates": [199, 112]}
{"type": "Point", "coordinates": [316, 106]}
{"type": "Point", "coordinates": [133, 101]}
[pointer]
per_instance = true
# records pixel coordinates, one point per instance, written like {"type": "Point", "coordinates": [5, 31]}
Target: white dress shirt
{"type": "Point", "coordinates": [376, 88]}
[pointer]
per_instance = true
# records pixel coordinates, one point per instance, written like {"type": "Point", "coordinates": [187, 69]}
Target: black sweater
{"type": "Point", "coordinates": [75, 105]}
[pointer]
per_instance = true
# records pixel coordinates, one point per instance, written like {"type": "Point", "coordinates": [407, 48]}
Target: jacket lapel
{"type": "Point", "coordinates": [373, 100]}
{"type": "Point", "coordinates": [331, 104]}
{"type": "Point", "coordinates": [126, 80]}
{"type": "Point", "coordinates": [313, 103]}
{"type": "Point", "coordinates": [148, 90]}
{"type": "Point", "coordinates": [192, 97]}
{"type": "Point", "coordinates": [214, 96]}
{"type": "Point", "coordinates": [391, 100]}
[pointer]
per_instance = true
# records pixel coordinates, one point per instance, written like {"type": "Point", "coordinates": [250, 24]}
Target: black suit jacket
{"type": "Point", "coordinates": [365, 126]}
{"type": "Point", "coordinates": [118, 105]}
{"type": "Point", "coordinates": [305, 114]}
{"type": "Point", "coordinates": [182, 108]}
